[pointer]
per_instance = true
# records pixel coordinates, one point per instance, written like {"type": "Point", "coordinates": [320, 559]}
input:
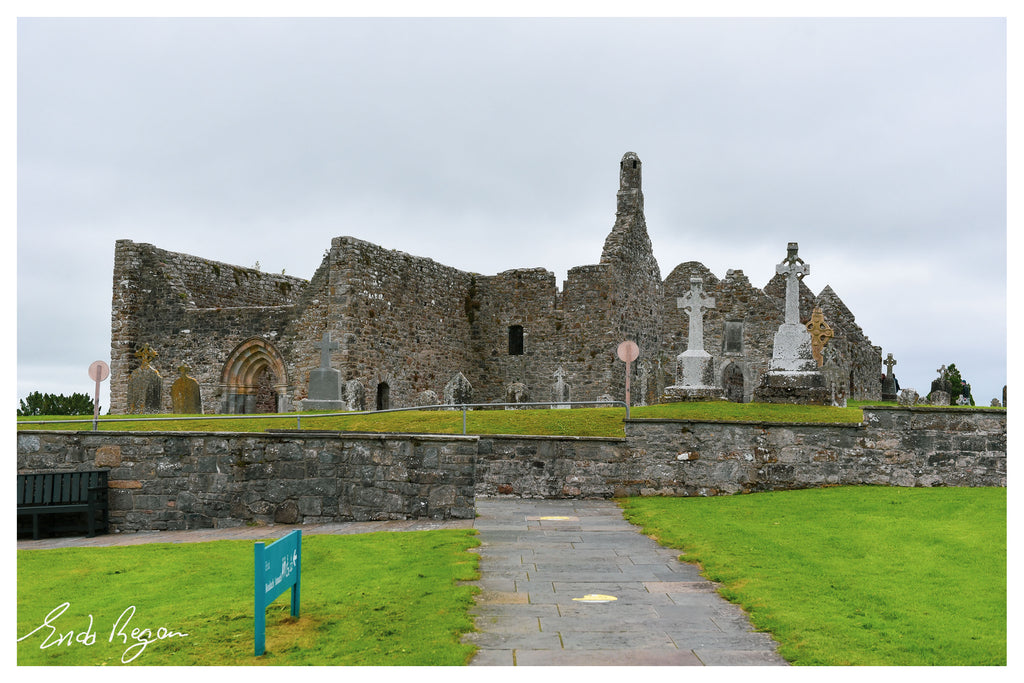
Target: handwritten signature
{"type": "Point", "coordinates": [139, 637]}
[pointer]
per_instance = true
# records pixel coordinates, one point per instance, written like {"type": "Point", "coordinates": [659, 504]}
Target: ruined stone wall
{"type": "Point", "coordinates": [189, 310]}
{"type": "Point", "coordinates": [175, 481]}
{"type": "Point", "coordinates": [399, 320]}
{"type": "Point", "coordinates": [527, 298]}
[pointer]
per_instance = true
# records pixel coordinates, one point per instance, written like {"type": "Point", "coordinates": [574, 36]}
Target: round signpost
{"type": "Point", "coordinates": [628, 352]}
{"type": "Point", "coordinates": [98, 372]}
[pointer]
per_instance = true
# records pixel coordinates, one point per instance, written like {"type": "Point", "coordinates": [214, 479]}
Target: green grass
{"type": "Point", "coordinates": [600, 422]}
{"type": "Point", "coordinates": [861, 576]}
{"type": "Point", "coordinates": [390, 598]}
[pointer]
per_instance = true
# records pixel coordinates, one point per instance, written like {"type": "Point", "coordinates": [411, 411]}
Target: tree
{"type": "Point", "coordinates": [53, 404]}
{"type": "Point", "coordinates": [958, 385]}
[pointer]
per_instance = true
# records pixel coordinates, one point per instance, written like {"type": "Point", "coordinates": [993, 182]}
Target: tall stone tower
{"type": "Point", "coordinates": [635, 310]}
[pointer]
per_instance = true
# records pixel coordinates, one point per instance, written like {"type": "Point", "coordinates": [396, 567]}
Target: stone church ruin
{"type": "Point", "coordinates": [394, 329]}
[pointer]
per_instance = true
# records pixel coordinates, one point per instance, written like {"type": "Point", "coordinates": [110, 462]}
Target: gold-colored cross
{"type": "Point", "coordinates": [820, 334]}
{"type": "Point", "coordinates": [146, 356]}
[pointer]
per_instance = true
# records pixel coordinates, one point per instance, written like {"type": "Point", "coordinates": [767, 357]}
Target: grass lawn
{"type": "Point", "coordinates": [854, 575]}
{"type": "Point", "coordinates": [602, 422]}
{"type": "Point", "coordinates": [390, 598]}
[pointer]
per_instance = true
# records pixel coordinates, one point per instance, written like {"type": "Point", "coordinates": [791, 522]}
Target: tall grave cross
{"type": "Point", "coordinates": [694, 303]}
{"type": "Point", "coordinates": [888, 363]}
{"type": "Point", "coordinates": [326, 346]}
{"type": "Point", "coordinates": [794, 269]}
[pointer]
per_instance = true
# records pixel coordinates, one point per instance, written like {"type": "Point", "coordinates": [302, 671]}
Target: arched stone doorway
{"type": "Point", "coordinates": [383, 396]}
{"type": "Point", "coordinates": [253, 379]}
{"type": "Point", "coordinates": [732, 382]}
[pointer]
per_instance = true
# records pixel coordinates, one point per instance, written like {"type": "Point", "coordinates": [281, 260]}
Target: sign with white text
{"type": "Point", "coordinates": [277, 569]}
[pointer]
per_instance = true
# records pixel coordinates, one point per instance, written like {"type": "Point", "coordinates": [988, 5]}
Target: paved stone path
{"type": "Point", "coordinates": [539, 561]}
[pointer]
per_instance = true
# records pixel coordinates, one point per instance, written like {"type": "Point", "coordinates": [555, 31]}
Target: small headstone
{"type": "Point", "coordinates": [560, 392]}
{"type": "Point", "coordinates": [516, 393]}
{"type": "Point", "coordinates": [145, 385]}
{"type": "Point", "coordinates": [963, 401]}
{"type": "Point", "coordinates": [889, 380]}
{"type": "Point", "coordinates": [354, 396]}
{"type": "Point", "coordinates": [907, 398]}
{"type": "Point", "coordinates": [458, 391]}
{"type": "Point", "coordinates": [939, 398]}
{"type": "Point", "coordinates": [185, 395]}
{"type": "Point", "coordinates": [428, 397]}
{"type": "Point", "coordinates": [995, 403]}
{"type": "Point", "coordinates": [941, 384]}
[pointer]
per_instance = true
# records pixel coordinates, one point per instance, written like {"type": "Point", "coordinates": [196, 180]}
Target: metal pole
{"type": "Point", "coordinates": [463, 420]}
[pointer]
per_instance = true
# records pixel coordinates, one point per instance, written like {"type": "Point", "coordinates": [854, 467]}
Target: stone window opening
{"type": "Point", "coordinates": [732, 340]}
{"type": "Point", "coordinates": [515, 340]}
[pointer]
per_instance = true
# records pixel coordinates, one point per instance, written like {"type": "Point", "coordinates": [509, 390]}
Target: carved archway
{"type": "Point", "coordinates": [253, 379]}
{"type": "Point", "coordinates": [733, 382]}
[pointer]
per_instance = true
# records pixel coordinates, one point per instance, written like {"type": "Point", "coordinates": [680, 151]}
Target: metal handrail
{"type": "Point", "coordinates": [464, 407]}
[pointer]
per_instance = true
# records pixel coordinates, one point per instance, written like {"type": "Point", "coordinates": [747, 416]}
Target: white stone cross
{"type": "Point", "coordinates": [694, 304]}
{"type": "Point", "coordinates": [794, 269]}
{"type": "Point", "coordinates": [888, 363]}
{"type": "Point", "coordinates": [326, 346]}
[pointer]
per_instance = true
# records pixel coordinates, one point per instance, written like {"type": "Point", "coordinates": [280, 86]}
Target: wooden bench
{"type": "Point", "coordinates": [53, 493]}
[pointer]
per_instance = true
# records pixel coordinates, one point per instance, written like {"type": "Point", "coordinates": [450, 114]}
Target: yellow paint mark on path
{"type": "Point", "coordinates": [596, 597]}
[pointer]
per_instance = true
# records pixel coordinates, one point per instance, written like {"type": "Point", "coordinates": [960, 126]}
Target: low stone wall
{"type": "Point", "coordinates": [892, 447]}
{"type": "Point", "coordinates": [198, 480]}
{"type": "Point", "coordinates": [549, 467]}
{"type": "Point", "coordinates": [185, 480]}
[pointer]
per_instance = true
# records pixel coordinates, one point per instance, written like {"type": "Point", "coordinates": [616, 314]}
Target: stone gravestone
{"type": "Point", "coordinates": [354, 396]}
{"type": "Point", "coordinates": [695, 372]}
{"type": "Point", "coordinates": [560, 392]}
{"type": "Point", "coordinates": [889, 383]}
{"type": "Point", "coordinates": [458, 391]}
{"type": "Point", "coordinates": [145, 386]}
{"type": "Point", "coordinates": [793, 375]}
{"type": "Point", "coordinates": [325, 382]}
{"type": "Point", "coordinates": [908, 398]}
{"type": "Point", "coordinates": [516, 392]}
{"type": "Point", "coordinates": [941, 385]}
{"type": "Point", "coordinates": [185, 395]}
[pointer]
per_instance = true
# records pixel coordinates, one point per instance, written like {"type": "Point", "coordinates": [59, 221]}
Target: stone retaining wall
{"type": "Point", "coordinates": [893, 447]}
{"type": "Point", "coordinates": [196, 480]}
{"type": "Point", "coordinates": [179, 480]}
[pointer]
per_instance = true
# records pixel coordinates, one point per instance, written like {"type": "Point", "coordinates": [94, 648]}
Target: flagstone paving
{"type": "Point", "coordinates": [570, 582]}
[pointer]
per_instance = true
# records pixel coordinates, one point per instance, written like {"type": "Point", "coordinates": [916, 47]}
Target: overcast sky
{"type": "Point", "coordinates": [487, 144]}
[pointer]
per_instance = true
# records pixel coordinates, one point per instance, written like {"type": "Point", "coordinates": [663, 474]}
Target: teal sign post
{"type": "Point", "coordinates": [277, 569]}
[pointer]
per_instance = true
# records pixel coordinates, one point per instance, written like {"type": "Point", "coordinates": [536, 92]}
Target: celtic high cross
{"type": "Point", "coordinates": [794, 269]}
{"type": "Point", "coordinates": [694, 303]}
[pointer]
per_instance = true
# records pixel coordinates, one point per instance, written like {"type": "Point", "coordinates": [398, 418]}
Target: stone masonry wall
{"type": "Point", "coordinates": [181, 480]}
{"type": "Point", "coordinates": [200, 480]}
{"type": "Point", "coordinates": [189, 310]}
{"type": "Point", "coordinates": [893, 447]}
